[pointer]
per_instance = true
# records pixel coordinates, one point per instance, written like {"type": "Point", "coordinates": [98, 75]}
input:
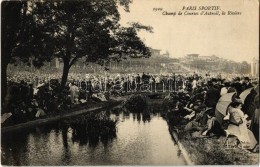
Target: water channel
{"type": "Point", "coordinates": [139, 140]}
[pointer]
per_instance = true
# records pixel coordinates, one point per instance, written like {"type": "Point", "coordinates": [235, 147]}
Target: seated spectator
{"type": "Point", "coordinates": [192, 117]}
{"type": "Point", "coordinates": [204, 121]}
{"type": "Point", "coordinates": [238, 125]}
{"type": "Point", "coordinates": [212, 125]}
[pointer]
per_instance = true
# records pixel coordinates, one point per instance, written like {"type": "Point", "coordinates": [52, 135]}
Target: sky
{"type": "Point", "coordinates": [234, 37]}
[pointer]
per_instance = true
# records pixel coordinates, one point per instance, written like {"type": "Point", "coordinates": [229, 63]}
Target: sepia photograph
{"type": "Point", "coordinates": [129, 82]}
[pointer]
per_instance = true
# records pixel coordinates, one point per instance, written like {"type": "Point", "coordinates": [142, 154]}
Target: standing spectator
{"type": "Point", "coordinates": [83, 84]}
{"type": "Point", "coordinates": [132, 84]}
{"type": "Point", "coordinates": [152, 82]}
{"type": "Point", "coordinates": [238, 86]}
{"type": "Point", "coordinates": [215, 84]}
{"type": "Point", "coordinates": [143, 77]}
{"type": "Point", "coordinates": [247, 84]}
{"type": "Point", "coordinates": [212, 96]}
{"type": "Point", "coordinates": [157, 81]}
{"type": "Point", "coordinates": [138, 81]}
{"type": "Point", "coordinates": [73, 92]}
{"type": "Point", "coordinates": [194, 84]}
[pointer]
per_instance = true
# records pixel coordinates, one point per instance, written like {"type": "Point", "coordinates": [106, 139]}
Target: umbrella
{"type": "Point", "coordinates": [244, 94]}
{"type": "Point", "coordinates": [248, 97]}
{"type": "Point", "coordinates": [222, 105]}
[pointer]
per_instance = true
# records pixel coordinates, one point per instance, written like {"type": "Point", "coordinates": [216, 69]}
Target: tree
{"type": "Point", "coordinates": [245, 67]}
{"type": "Point", "coordinates": [21, 39]}
{"type": "Point", "coordinates": [39, 31]}
{"type": "Point", "coordinates": [12, 32]}
{"type": "Point", "coordinates": [88, 29]}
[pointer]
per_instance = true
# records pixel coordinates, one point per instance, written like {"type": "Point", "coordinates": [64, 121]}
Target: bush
{"type": "Point", "coordinates": [136, 103]}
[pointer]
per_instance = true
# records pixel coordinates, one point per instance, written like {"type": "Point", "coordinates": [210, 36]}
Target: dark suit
{"type": "Point", "coordinates": [247, 86]}
{"type": "Point", "coordinates": [212, 97]}
{"type": "Point", "coordinates": [238, 87]}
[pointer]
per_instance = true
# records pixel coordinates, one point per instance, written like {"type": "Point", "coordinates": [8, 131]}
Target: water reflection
{"type": "Point", "coordinates": [11, 151]}
{"type": "Point", "coordinates": [91, 129]}
{"type": "Point", "coordinates": [66, 152]}
{"type": "Point", "coordinates": [120, 137]}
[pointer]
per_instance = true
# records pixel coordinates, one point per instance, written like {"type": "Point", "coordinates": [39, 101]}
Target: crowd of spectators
{"type": "Point", "coordinates": [195, 96]}
{"type": "Point", "coordinates": [199, 110]}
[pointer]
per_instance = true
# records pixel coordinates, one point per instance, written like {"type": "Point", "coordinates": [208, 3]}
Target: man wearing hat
{"type": "Point", "coordinates": [237, 85]}
{"type": "Point", "coordinates": [247, 84]}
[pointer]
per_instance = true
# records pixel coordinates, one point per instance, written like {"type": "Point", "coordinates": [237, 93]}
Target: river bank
{"type": "Point", "coordinates": [211, 150]}
{"type": "Point", "coordinates": [198, 150]}
{"type": "Point", "coordinates": [195, 149]}
{"type": "Point", "coordinates": [77, 110]}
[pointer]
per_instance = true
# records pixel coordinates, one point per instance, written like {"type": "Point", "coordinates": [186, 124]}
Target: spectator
{"type": "Point", "coordinates": [238, 86]}
{"type": "Point", "coordinates": [238, 125]}
{"type": "Point", "coordinates": [247, 84]}
{"type": "Point", "coordinates": [73, 92]}
{"type": "Point", "coordinates": [212, 96]}
{"type": "Point", "coordinates": [224, 90]}
{"type": "Point", "coordinates": [256, 114]}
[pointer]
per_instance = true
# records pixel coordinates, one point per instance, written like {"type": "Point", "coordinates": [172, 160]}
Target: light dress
{"type": "Point", "coordinates": [244, 135]}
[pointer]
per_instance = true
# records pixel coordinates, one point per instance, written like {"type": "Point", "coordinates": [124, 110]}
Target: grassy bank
{"type": "Point", "coordinates": [74, 112]}
{"type": "Point", "coordinates": [211, 151]}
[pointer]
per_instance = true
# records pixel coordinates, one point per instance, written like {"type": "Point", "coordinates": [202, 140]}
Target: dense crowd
{"type": "Point", "coordinates": [219, 108]}
{"type": "Point", "coordinates": [195, 95]}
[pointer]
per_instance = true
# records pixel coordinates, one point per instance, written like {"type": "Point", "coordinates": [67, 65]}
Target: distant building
{"type": "Point", "coordinates": [167, 55]}
{"type": "Point", "coordinates": [194, 61]}
{"type": "Point", "coordinates": [155, 52]}
{"type": "Point", "coordinates": [255, 67]}
{"type": "Point", "coordinates": [157, 62]}
{"type": "Point", "coordinates": [209, 58]}
{"type": "Point", "coordinates": [193, 56]}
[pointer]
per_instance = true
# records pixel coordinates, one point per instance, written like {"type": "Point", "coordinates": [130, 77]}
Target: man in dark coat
{"type": "Point", "coordinates": [238, 86]}
{"type": "Point", "coordinates": [83, 85]}
{"type": "Point", "coordinates": [212, 96]}
{"type": "Point", "coordinates": [247, 84]}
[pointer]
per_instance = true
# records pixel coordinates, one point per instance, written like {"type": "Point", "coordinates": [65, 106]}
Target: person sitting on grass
{"type": "Point", "coordinates": [238, 126]}
{"type": "Point", "coordinates": [203, 119]}
{"type": "Point", "coordinates": [193, 124]}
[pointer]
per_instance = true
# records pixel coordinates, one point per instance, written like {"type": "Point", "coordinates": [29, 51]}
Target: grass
{"type": "Point", "coordinates": [211, 151]}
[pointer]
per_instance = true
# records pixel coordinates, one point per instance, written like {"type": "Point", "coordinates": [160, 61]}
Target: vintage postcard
{"type": "Point", "coordinates": [130, 82]}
